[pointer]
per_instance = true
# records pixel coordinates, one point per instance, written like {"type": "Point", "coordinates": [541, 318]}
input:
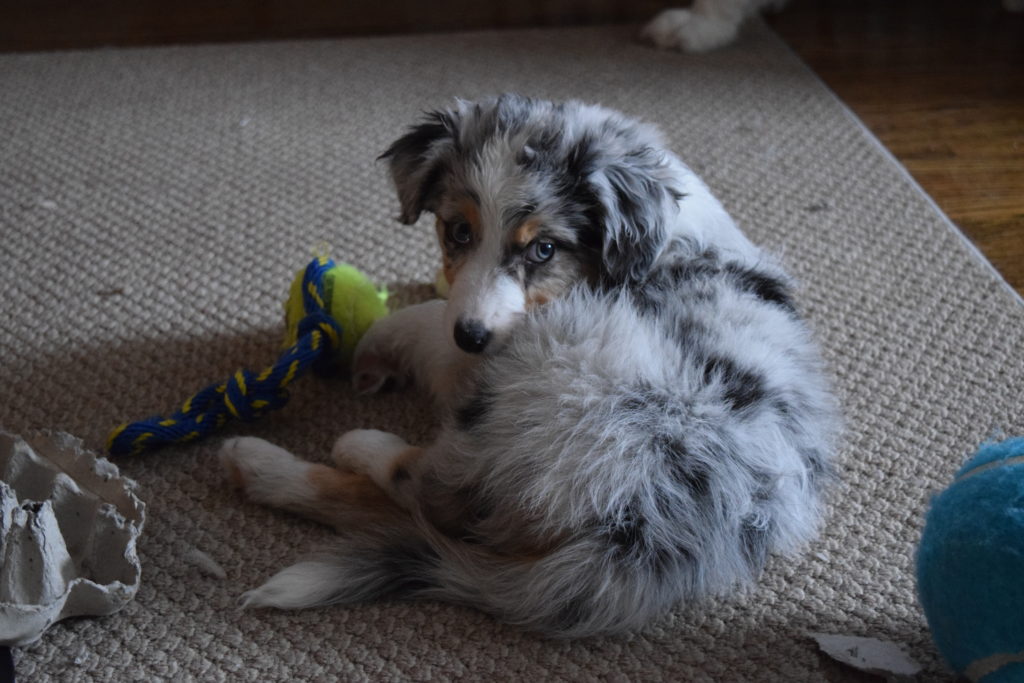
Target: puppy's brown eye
{"type": "Point", "coordinates": [540, 251]}
{"type": "Point", "coordinates": [460, 233]}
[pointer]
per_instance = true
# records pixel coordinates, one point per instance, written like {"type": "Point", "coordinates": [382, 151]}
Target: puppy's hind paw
{"type": "Point", "coordinates": [243, 457]}
{"type": "Point", "coordinates": [259, 468]}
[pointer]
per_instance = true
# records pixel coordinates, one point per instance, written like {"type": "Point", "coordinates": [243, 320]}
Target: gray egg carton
{"type": "Point", "coordinates": [68, 527]}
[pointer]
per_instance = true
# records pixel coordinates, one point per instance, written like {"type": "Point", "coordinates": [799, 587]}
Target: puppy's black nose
{"type": "Point", "coordinates": [471, 335]}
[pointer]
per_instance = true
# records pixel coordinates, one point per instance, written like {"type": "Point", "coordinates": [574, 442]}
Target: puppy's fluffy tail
{"type": "Point", "coordinates": [564, 593]}
{"type": "Point", "coordinates": [364, 567]}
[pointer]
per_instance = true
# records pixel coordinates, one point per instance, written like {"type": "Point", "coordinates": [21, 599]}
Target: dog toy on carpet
{"type": "Point", "coordinates": [328, 308]}
{"type": "Point", "coordinates": [970, 566]}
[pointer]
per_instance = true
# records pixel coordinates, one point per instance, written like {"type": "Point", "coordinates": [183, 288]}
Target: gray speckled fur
{"type": "Point", "coordinates": [672, 449]}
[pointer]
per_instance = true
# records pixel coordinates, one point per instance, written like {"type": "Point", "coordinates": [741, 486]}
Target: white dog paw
{"type": "Point", "coordinates": [663, 29]}
{"type": "Point", "coordinates": [374, 365]}
{"type": "Point", "coordinates": [371, 373]}
{"type": "Point", "coordinates": [681, 29]}
{"type": "Point", "coordinates": [260, 468]}
{"type": "Point", "coordinates": [367, 451]}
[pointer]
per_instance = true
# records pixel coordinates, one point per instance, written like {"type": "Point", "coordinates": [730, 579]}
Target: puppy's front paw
{"type": "Point", "coordinates": [260, 468]}
{"type": "Point", "coordinates": [372, 373]}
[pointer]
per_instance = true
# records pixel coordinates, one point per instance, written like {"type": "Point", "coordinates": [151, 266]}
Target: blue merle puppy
{"type": "Point", "coordinates": [633, 413]}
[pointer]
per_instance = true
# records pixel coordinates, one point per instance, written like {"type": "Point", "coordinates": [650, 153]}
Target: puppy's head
{"type": "Point", "coordinates": [532, 198]}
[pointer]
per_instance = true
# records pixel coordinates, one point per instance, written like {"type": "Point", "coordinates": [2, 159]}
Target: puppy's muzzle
{"type": "Point", "coordinates": [471, 336]}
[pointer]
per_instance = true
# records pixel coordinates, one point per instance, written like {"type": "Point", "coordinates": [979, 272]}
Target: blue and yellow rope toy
{"type": "Point", "coordinates": [329, 307]}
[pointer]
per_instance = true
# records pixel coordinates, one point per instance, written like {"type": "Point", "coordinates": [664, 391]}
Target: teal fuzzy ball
{"type": "Point", "coordinates": [970, 566]}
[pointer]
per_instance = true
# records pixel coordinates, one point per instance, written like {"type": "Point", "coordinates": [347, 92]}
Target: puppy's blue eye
{"type": "Point", "coordinates": [460, 233]}
{"type": "Point", "coordinates": [540, 251]}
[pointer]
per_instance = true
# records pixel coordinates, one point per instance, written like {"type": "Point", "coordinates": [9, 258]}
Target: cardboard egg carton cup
{"type": "Point", "coordinates": [68, 527]}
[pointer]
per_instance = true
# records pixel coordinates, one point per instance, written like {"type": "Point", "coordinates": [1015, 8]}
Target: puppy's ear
{"type": "Point", "coordinates": [418, 162]}
{"type": "Point", "coordinates": [637, 198]}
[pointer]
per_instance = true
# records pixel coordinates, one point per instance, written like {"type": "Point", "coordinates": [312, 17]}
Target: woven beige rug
{"type": "Point", "coordinates": [155, 203]}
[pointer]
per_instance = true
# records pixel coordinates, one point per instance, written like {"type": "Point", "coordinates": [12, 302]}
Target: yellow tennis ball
{"type": "Point", "coordinates": [352, 300]}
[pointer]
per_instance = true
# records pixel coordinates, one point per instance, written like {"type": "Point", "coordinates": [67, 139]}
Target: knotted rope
{"type": "Point", "coordinates": [246, 395]}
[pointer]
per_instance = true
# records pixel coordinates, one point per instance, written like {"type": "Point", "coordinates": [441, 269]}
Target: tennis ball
{"type": "Point", "coordinates": [970, 566]}
{"type": "Point", "coordinates": [352, 299]}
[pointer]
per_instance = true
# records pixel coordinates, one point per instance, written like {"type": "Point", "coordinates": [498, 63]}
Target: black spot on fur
{"type": "Point", "coordinates": [633, 542]}
{"type": "Point", "coordinates": [684, 471]}
{"type": "Point", "coordinates": [431, 186]}
{"type": "Point", "coordinates": [416, 165]}
{"type": "Point", "coordinates": [510, 113]}
{"type": "Point", "coordinates": [648, 301]}
{"type": "Point", "coordinates": [628, 192]}
{"type": "Point", "coordinates": [474, 411]}
{"type": "Point", "coordinates": [418, 140]}
{"type": "Point", "coordinates": [398, 569]}
{"type": "Point", "coordinates": [633, 402]}
{"type": "Point", "coordinates": [400, 474]}
{"type": "Point", "coordinates": [683, 468]}
{"type": "Point", "coordinates": [762, 493]}
{"type": "Point", "coordinates": [572, 182]}
{"type": "Point", "coordinates": [583, 212]}
{"type": "Point", "coordinates": [408, 568]}
{"type": "Point", "coordinates": [782, 407]}
{"type": "Point", "coordinates": [687, 332]}
{"type": "Point", "coordinates": [697, 273]}
{"type": "Point", "coordinates": [547, 141]}
{"type": "Point", "coordinates": [586, 221]}
{"type": "Point", "coordinates": [694, 478]}
{"type": "Point", "coordinates": [689, 277]}
{"type": "Point", "coordinates": [742, 387]}
{"type": "Point", "coordinates": [627, 530]}
{"type": "Point", "coordinates": [643, 398]}
{"type": "Point", "coordinates": [514, 216]}
{"type": "Point", "coordinates": [579, 159]}
{"type": "Point", "coordinates": [700, 267]}
{"type": "Point", "coordinates": [541, 153]}
{"type": "Point", "coordinates": [744, 392]}
{"type": "Point", "coordinates": [634, 222]}
{"type": "Point", "coordinates": [761, 285]}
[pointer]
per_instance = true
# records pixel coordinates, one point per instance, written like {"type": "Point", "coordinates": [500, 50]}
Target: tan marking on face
{"type": "Point", "coordinates": [470, 213]}
{"type": "Point", "coordinates": [358, 490]}
{"type": "Point", "coordinates": [439, 229]}
{"type": "Point", "coordinates": [538, 297]}
{"type": "Point", "coordinates": [557, 279]}
{"type": "Point", "coordinates": [526, 233]}
{"type": "Point", "coordinates": [447, 266]}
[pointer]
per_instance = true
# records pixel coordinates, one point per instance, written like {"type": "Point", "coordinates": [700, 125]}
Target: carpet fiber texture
{"type": "Point", "coordinates": [155, 203]}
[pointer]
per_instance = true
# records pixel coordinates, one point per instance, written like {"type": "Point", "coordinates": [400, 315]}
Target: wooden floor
{"type": "Point", "coordinates": [941, 83]}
